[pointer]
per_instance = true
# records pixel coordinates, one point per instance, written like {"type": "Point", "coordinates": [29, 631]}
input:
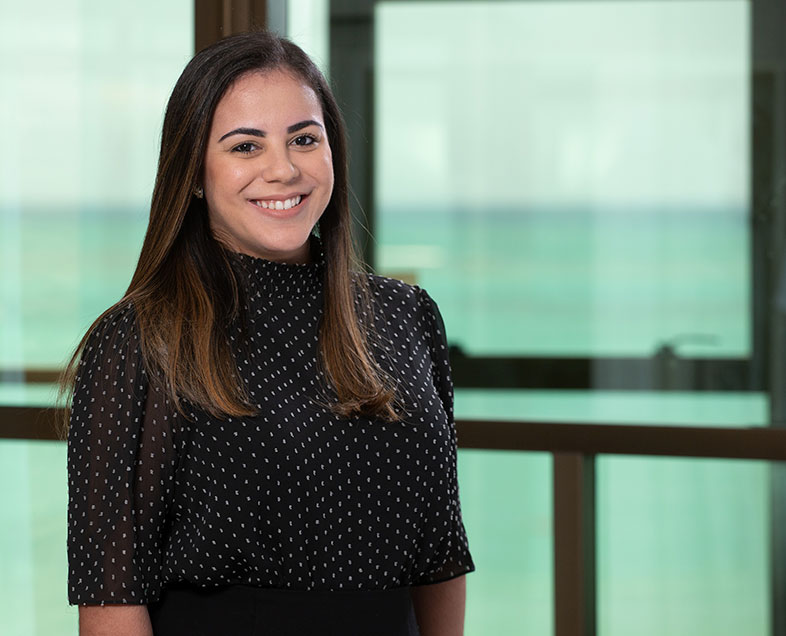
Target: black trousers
{"type": "Point", "coordinates": [242, 610]}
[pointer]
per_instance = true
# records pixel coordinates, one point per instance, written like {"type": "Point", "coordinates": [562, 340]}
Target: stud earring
{"type": "Point", "coordinates": [199, 192]}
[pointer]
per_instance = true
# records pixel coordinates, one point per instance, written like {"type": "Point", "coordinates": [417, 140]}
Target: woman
{"type": "Point", "coordinates": [261, 437]}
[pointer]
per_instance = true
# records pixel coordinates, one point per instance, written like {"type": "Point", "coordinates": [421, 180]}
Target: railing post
{"type": "Point", "coordinates": [574, 544]}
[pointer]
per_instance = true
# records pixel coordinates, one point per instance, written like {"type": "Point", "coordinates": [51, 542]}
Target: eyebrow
{"type": "Point", "coordinates": [261, 133]}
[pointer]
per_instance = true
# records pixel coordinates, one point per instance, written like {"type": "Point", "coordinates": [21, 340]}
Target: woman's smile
{"type": "Point", "coordinates": [279, 204]}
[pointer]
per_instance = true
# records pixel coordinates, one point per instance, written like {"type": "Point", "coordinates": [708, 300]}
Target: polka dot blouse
{"type": "Point", "coordinates": [294, 497]}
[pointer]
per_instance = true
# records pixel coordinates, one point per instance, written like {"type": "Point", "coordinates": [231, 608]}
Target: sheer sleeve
{"type": "Point", "coordinates": [452, 558]}
{"type": "Point", "coordinates": [121, 459]}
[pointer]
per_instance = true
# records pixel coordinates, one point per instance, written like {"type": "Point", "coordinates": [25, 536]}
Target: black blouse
{"type": "Point", "coordinates": [294, 497]}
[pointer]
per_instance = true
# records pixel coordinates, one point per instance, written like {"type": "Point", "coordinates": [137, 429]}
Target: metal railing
{"type": "Point", "coordinates": [574, 448]}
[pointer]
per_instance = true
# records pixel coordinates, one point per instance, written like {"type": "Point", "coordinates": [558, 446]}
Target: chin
{"type": "Point", "coordinates": [292, 246]}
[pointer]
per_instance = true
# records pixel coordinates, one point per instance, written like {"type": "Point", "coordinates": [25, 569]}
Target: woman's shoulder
{"type": "Point", "coordinates": [409, 307]}
{"type": "Point", "coordinates": [392, 292]}
{"type": "Point", "coordinates": [111, 368]}
{"type": "Point", "coordinates": [116, 327]}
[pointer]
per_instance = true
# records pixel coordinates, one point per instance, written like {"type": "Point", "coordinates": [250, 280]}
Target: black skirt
{"type": "Point", "coordinates": [242, 610]}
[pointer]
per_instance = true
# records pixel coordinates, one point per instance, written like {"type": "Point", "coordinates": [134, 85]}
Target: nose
{"type": "Point", "coordinates": [278, 166]}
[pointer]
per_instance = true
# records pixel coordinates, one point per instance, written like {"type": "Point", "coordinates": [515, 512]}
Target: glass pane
{"type": "Point", "coordinates": [308, 26]}
{"type": "Point", "coordinates": [85, 85]}
{"type": "Point", "coordinates": [506, 504]}
{"type": "Point", "coordinates": [33, 559]}
{"type": "Point", "coordinates": [616, 407]}
{"type": "Point", "coordinates": [683, 547]}
{"type": "Point", "coordinates": [569, 178]}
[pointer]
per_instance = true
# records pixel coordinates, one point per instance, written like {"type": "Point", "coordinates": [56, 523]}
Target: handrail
{"type": "Point", "coordinates": [625, 439]}
{"type": "Point", "coordinates": [29, 422]}
{"type": "Point", "coordinates": [763, 443]}
{"type": "Point", "coordinates": [30, 375]}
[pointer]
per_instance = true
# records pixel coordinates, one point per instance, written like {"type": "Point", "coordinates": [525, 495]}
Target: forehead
{"type": "Point", "coordinates": [266, 100]}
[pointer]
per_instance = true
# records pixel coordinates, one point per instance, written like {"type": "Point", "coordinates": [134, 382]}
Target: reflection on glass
{"type": "Point", "coordinates": [308, 24]}
{"type": "Point", "coordinates": [569, 178]}
{"type": "Point", "coordinates": [509, 525]}
{"type": "Point", "coordinates": [85, 86]}
{"type": "Point", "coordinates": [683, 547]}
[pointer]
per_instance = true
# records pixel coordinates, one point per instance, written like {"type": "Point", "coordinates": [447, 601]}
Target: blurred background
{"type": "Point", "coordinates": [594, 192]}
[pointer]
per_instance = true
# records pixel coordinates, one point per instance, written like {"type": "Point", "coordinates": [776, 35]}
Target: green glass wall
{"type": "Point", "coordinates": [683, 547]}
{"type": "Point", "coordinates": [84, 86]}
{"type": "Point", "coordinates": [570, 178]}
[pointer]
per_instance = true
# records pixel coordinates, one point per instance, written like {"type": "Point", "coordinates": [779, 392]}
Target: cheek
{"type": "Point", "coordinates": [215, 217]}
{"type": "Point", "coordinates": [328, 177]}
{"type": "Point", "coordinates": [224, 179]}
{"type": "Point", "coordinates": [220, 183]}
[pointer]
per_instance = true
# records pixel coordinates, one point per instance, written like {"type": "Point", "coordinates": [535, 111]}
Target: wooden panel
{"type": "Point", "coordinates": [29, 422]}
{"type": "Point", "coordinates": [214, 19]}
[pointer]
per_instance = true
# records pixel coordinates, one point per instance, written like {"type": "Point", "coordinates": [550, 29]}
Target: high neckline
{"type": "Point", "coordinates": [264, 279]}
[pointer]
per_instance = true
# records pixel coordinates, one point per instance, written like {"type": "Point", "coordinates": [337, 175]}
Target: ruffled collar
{"type": "Point", "coordinates": [264, 279]}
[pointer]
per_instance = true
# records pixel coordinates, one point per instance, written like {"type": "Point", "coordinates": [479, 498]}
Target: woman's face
{"type": "Point", "coordinates": [268, 172]}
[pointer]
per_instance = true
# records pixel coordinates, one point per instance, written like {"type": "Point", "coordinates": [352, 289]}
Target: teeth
{"type": "Point", "coordinates": [279, 205]}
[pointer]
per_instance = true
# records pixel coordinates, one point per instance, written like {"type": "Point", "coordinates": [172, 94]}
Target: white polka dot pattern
{"type": "Point", "coordinates": [294, 497]}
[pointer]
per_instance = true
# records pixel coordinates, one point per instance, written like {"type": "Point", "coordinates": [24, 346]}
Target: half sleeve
{"type": "Point", "coordinates": [121, 459]}
{"type": "Point", "coordinates": [452, 558]}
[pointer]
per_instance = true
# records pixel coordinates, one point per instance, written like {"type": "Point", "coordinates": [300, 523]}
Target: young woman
{"type": "Point", "coordinates": [261, 436]}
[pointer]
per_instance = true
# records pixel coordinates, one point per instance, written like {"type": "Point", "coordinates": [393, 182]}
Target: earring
{"type": "Point", "coordinates": [315, 230]}
{"type": "Point", "coordinates": [199, 192]}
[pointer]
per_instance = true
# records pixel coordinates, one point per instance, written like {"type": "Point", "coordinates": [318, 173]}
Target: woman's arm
{"type": "Point", "coordinates": [439, 607]}
{"type": "Point", "coordinates": [114, 620]}
{"type": "Point", "coordinates": [122, 457]}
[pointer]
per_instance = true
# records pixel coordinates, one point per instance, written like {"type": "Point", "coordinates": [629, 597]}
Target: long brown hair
{"type": "Point", "coordinates": [184, 292]}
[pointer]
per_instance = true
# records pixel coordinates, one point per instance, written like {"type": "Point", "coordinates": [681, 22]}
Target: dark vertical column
{"type": "Point", "coordinates": [768, 155]}
{"type": "Point", "coordinates": [574, 545]}
{"type": "Point", "coordinates": [214, 19]}
{"type": "Point", "coordinates": [352, 79]}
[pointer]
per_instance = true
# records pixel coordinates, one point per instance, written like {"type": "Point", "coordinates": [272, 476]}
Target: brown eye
{"type": "Point", "coordinates": [304, 140]}
{"type": "Point", "coordinates": [245, 148]}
